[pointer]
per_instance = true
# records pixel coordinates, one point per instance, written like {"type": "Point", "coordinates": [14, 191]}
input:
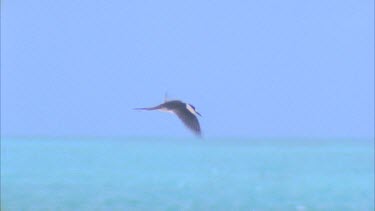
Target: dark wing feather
{"type": "Point", "coordinates": [190, 121]}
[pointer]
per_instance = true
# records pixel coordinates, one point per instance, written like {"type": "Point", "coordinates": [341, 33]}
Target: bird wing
{"type": "Point", "coordinates": [190, 121]}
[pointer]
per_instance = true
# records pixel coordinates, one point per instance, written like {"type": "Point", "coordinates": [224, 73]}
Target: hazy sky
{"type": "Point", "coordinates": [251, 68]}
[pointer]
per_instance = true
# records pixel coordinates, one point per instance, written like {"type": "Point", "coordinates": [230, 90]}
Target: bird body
{"type": "Point", "coordinates": [184, 111]}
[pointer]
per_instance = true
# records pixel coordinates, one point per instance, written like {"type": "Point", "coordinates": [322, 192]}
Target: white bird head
{"type": "Point", "coordinates": [192, 109]}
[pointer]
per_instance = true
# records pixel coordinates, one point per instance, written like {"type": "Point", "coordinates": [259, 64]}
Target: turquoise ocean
{"type": "Point", "coordinates": [186, 174]}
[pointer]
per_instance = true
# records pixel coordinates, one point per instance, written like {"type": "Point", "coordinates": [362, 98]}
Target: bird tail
{"type": "Point", "coordinates": [147, 109]}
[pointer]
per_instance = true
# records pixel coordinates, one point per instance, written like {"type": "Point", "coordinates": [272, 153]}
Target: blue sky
{"type": "Point", "coordinates": [252, 68]}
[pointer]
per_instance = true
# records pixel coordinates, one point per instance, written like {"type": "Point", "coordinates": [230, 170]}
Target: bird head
{"type": "Point", "coordinates": [192, 109]}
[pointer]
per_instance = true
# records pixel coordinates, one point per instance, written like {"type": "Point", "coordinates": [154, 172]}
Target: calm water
{"type": "Point", "coordinates": [183, 174]}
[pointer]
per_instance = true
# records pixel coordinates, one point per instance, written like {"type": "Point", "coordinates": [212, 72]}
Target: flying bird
{"type": "Point", "coordinates": [186, 112]}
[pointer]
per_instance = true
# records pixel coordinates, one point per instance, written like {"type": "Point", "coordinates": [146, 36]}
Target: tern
{"type": "Point", "coordinates": [184, 111]}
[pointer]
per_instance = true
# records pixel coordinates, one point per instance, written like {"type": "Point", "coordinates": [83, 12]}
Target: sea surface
{"type": "Point", "coordinates": [186, 174]}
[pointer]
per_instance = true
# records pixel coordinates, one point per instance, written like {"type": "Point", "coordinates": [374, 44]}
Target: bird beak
{"type": "Point", "coordinates": [198, 113]}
